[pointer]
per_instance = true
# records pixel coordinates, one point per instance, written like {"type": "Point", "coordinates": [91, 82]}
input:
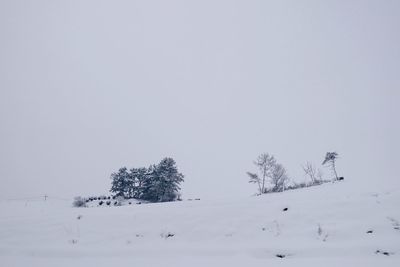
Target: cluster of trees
{"type": "Point", "coordinates": [157, 183]}
{"type": "Point", "coordinates": [272, 173]}
{"type": "Point", "coordinates": [269, 172]}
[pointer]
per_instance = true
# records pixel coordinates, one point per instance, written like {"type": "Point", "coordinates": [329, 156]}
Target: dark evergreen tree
{"type": "Point", "coordinates": [120, 182]}
{"type": "Point", "coordinates": [168, 180]}
{"type": "Point", "coordinates": [149, 184]}
{"type": "Point", "coordinates": [138, 177]}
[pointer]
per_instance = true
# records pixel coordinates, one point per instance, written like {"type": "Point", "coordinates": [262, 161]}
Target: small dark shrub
{"type": "Point", "coordinates": [101, 203]}
{"type": "Point", "coordinates": [167, 235]}
{"type": "Point", "coordinates": [383, 252]}
{"type": "Point", "coordinates": [79, 202]}
{"type": "Point", "coordinates": [108, 203]}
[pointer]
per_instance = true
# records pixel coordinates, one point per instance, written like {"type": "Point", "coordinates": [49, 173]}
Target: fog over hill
{"type": "Point", "coordinates": [89, 86]}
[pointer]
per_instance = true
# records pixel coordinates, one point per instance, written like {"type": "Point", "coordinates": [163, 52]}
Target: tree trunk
{"type": "Point", "coordinates": [334, 169]}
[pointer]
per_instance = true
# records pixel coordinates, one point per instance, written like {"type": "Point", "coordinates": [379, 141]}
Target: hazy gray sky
{"type": "Point", "coordinates": [89, 86]}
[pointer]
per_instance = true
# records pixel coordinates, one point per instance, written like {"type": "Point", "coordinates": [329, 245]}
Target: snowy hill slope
{"type": "Point", "coordinates": [329, 224]}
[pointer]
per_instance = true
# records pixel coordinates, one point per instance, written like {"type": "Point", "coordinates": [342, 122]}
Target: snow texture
{"type": "Point", "coordinates": [329, 225]}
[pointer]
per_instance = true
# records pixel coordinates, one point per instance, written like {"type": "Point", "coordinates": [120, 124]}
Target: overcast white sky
{"type": "Point", "coordinates": [89, 86]}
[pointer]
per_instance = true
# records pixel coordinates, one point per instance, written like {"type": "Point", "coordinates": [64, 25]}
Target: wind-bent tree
{"type": "Point", "coordinates": [330, 160]}
{"type": "Point", "coordinates": [254, 179]}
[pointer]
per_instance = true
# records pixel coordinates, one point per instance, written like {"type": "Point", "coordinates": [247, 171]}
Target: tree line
{"type": "Point", "coordinates": [157, 183]}
{"type": "Point", "coordinates": [161, 182]}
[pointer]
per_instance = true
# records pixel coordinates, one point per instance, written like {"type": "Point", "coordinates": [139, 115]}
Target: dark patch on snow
{"type": "Point", "coordinates": [370, 231]}
{"type": "Point", "coordinates": [395, 223]}
{"type": "Point", "coordinates": [285, 209]}
{"type": "Point", "coordinates": [167, 235]}
{"type": "Point", "coordinates": [79, 217]}
{"type": "Point", "coordinates": [280, 256]}
{"type": "Point", "coordinates": [383, 252]}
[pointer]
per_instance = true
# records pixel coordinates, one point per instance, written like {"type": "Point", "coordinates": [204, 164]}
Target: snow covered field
{"type": "Point", "coordinates": [326, 225]}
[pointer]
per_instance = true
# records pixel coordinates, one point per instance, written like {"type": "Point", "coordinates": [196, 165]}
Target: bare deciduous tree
{"type": "Point", "coordinates": [279, 178]}
{"type": "Point", "coordinates": [270, 170]}
{"type": "Point", "coordinates": [313, 173]}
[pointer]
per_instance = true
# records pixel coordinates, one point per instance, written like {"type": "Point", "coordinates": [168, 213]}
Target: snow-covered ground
{"type": "Point", "coordinates": [326, 225]}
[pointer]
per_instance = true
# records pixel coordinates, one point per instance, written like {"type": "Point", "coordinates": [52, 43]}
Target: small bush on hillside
{"type": "Point", "coordinates": [306, 184]}
{"type": "Point", "coordinates": [79, 202]}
